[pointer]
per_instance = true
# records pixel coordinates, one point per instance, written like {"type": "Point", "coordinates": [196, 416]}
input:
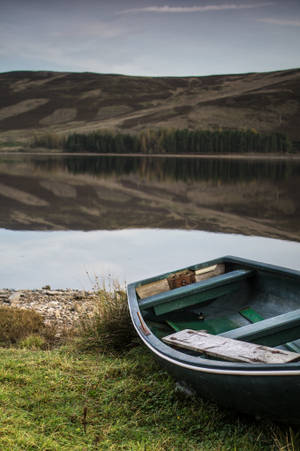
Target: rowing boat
{"type": "Point", "coordinates": [229, 330]}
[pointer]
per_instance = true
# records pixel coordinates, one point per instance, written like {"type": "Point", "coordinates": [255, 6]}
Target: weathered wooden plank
{"type": "Point", "coordinates": [229, 349]}
{"type": "Point", "coordinates": [153, 288]}
{"type": "Point", "coordinates": [209, 271]}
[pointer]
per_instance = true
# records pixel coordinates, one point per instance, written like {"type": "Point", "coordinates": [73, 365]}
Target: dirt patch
{"type": "Point", "coordinates": [59, 189]}
{"type": "Point", "coordinates": [112, 195]}
{"type": "Point", "coordinates": [91, 94]}
{"type": "Point", "coordinates": [113, 111]}
{"type": "Point", "coordinates": [28, 83]}
{"type": "Point", "coordinates": [24, 219]}
{"type": "Point", "coordinates": [59, 116]}
{"type": "Point", "coordinates": [21, 107]}
{"type": "Point", "coordinates": [21, 196]}
{"type": "Point", "coordinates": [91, 211]}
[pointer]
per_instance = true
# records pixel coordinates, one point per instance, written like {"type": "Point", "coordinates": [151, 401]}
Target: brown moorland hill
{"type": "Point", "coordinates": [40, 102]}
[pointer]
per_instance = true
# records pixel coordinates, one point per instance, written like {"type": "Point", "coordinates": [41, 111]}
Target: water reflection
{"type": "Point", "coordinates": [91, 193]}
{"type": "Point", "coordinates": [178, 169]}
{"type": "Point", "coordinates": [74, 259]}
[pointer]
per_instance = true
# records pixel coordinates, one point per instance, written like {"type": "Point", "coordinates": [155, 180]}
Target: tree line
{"type": "Point", "coordinates": [169, 141]}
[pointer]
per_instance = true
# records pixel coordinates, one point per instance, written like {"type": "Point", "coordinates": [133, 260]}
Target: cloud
{"type": "Point", "coordinates": [290, 23]}
{"type": "Point", "coordinates": [193, 9]}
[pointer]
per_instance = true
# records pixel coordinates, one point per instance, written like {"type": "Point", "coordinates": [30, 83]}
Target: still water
{"type": "Point", "coordinates": [67, 220]}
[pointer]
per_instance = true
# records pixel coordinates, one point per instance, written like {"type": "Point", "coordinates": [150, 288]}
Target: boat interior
{"type": "Point", "coordinates": [229, 299]}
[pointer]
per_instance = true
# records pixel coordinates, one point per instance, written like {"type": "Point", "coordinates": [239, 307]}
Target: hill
{"type": "Point", "coordinates": [39, 102]}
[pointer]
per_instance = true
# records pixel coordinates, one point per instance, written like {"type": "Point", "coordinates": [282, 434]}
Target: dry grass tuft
{"type": "Point", "coordinates": [18, 324]}
{"type": "Point", "coordinates": [286, 440]}
{"type": "Point", "coordinates": [109, 329]}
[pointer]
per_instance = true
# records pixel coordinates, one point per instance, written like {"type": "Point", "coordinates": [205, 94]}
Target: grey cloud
{"type": "Point", "coordinates": [291, 23]}
{"type": "Point", "coordinates": [193, 9]}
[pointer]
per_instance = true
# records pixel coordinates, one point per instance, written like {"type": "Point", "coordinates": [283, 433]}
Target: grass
{"type": "Point", "coordinates": [109, 329]}
{"type": "Point", "coordinates": [48, 140]}
{"type": "Point", "coordinates": [62, 400]}
{"type": "Point", "coordinates": [80, 396]}
{"type": "Point", "coordinates": [18, 326]}
{"type": "Point", "coordinates": [11, 144]}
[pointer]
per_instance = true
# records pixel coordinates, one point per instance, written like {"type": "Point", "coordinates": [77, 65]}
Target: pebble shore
{"type": "Point", "coordinates": [61, 308]}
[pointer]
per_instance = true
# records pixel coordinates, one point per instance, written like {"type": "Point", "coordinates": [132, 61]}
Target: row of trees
{"type": "Point", "coordinates": [168, 141]}
{"type": "Point", "coordinates": [178, 141]}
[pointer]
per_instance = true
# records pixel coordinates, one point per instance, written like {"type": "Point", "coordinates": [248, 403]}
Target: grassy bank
{"type": "Point", "coordinates": [80, 396]}
{"type": "Point", "coordinates": [62, 400]}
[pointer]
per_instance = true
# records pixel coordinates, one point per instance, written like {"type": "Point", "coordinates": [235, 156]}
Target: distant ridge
{"type": "Point", "coordinates": [62, 102]}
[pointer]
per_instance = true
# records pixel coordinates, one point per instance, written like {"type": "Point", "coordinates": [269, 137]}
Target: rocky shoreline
{"type": "Point", "coordinates": [60, 308]}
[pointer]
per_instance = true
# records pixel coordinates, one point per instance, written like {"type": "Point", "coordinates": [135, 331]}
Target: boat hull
{"type": "Point", "coordinates": [271, 391]}
{"type": "Point", "coordinates": [273, 397]}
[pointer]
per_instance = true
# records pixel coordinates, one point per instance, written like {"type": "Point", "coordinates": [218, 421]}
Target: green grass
{"type": "Point", "coordinates": [65, 400]}
{"type": "Point", "coordinates": [11, 143]}
{"type": "Point", "coordinates": [81, 396]}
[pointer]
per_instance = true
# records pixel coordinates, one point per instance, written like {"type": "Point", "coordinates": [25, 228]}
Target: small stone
{"type": "Point", "coordinates": [15, 297]}
{"type": "Point", "coordinates": [78, 297]}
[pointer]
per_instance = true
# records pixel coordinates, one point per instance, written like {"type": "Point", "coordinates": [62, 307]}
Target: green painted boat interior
{"type": "Point", "coordinates": [255, 305]}
{"type": "Point", "coordinates": [251, 315]}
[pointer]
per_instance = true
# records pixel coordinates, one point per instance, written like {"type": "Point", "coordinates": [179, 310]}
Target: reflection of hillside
{"type": "Point", "coordinates": [55, 198]}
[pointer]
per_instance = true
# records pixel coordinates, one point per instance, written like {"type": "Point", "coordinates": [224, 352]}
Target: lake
{"type": "Point", "coordinates": [68, 220]}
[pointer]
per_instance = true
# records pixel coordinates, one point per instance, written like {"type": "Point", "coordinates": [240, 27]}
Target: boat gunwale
{"type": "Point", "coordinates": [196, 363]}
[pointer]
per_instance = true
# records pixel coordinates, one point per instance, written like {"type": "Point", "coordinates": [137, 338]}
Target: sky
{"type": "Point", "coordinates": [64, 259]}
{"type": "Point", "coordinates": [150, 37]}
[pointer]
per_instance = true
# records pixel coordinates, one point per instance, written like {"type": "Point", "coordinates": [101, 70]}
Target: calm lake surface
{"type": "Point", "coordinates": [67, 220]}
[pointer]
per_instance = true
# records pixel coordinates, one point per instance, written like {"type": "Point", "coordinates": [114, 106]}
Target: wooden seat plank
{"type": "Point", "coordinates": [153, 288]}
{"type": "Point", "coordinates": [229, 349]}
{"type": "Point", "coordinates": [209, 271]}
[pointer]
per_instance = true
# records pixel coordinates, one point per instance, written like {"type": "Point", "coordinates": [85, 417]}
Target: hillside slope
{"type": "Point", "coordinates": [38, 102]}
